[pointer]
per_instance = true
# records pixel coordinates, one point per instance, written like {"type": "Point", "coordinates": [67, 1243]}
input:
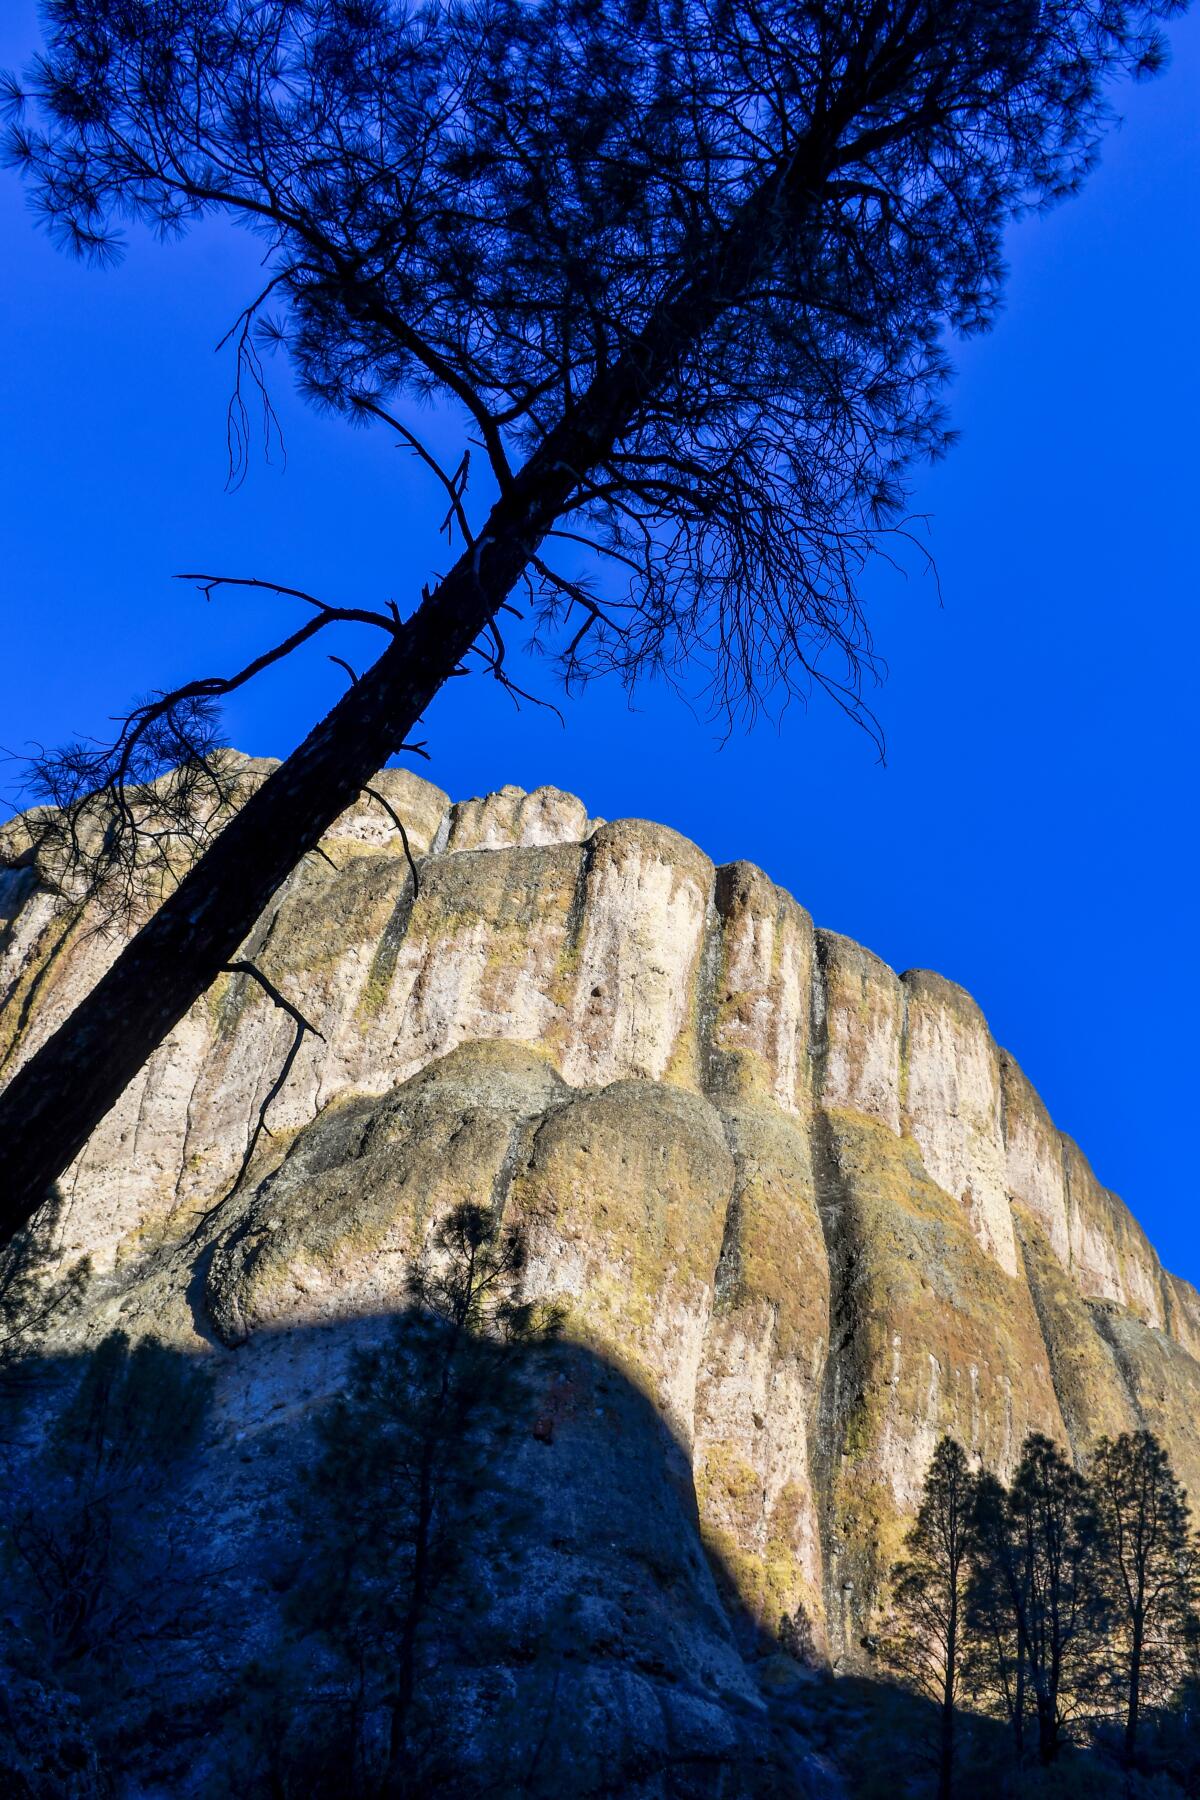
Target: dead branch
{"type": "Point", "coordinates": [398, 822]}
{"type": "Point", "coordinates": [302, 1026]}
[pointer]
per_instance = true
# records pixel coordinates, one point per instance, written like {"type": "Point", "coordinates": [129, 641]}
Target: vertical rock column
{"type": "Point", "coordinates": [764, 1353]}
{"type": "Point", "coordinates": [952, 1105]}
{"type": "Point", "coordinates": [635, 1009]}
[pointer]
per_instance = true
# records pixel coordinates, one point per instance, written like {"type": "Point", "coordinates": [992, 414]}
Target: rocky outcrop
{"type": "Point", "coordinates": [806, 1208]}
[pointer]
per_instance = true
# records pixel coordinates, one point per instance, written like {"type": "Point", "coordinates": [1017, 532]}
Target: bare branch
{"type": "Point", "coordinates": [455, 485]}
{"type": "Point", "coordinates": [398, 822]}
{"type": "Point", "coordinates": [260, 1125]}
{"type": "Point", "coordinates": [208, 584]}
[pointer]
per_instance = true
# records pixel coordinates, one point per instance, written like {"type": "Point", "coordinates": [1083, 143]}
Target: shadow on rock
{"type": "Point", "coordinates": [389, 1557]}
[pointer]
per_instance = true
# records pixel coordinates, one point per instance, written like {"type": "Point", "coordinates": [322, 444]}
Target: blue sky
{"type": "Point", "coordinates": [1033, 835]}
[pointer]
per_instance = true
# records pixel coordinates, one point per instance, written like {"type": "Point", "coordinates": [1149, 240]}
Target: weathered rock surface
{"type": "Point", "coordinates": [806, 1209]}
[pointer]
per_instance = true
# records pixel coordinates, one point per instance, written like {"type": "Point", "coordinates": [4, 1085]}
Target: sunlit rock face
{"type": "Point", "coordinates": [804, 1207]}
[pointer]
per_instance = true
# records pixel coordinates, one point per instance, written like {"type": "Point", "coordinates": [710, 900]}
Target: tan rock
{"type": "Point", "coordinates": [858, 1022]}
{"type": "Point", "coordinates": [928, 1334]}
{"type": "Point", "coordinates": [804, 1209]}
{"type": "Point", "coordinates": [511, 818]}
{"type": "Point", "coordinates": [759, 1382]}
{"type": "Point", "coordinates": [641, 932]}
{"type": "Point", "coordinates": [1033, 1161]}
{"type": "Point", "coordinates": [758, 1037]}
{"type": "Point", "coordinates": [952, 1106]}
{"type": "Point", "coordinates": [1111, 1256]}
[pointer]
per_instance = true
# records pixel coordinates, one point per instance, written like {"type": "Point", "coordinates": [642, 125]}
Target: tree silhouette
{"type": "Point", "coordinates": [1149, 1562]}
{"type": "Point", "coordinates": [929, 1594]}
{"type": "Point", "coordinates": [405, 1476]}
{"type": "Point", "coordinates": [95, 1546]}
{"type": "Point", "coordinates": [995, 1666]}
{"type": "Point", "coordinates": [1040, 1578]}
{"type": "Point", "coordinates": [35, 1293]}
{"type": "Point", "coordinates": [684, 272]}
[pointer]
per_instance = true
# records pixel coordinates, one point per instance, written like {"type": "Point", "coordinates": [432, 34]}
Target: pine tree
{"type": "Point", "coordinates": [683, 273]}
{"type": "Point", "coordinates": [995, 1669]}
{"type": "Point", "coordinates": [405, 1473]}
{"type": "Point", "coordinates": [1039, 1578]}
{"type": "Point", "coordinates": [95, 1547]}
{"type": "Point", "coordinates": [1148, 1566]}
{"type": "Point", "coordinates": [929, 1595]}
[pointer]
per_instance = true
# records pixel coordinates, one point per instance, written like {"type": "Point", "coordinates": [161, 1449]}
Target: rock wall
{"type": "Point", "coordinates": [806, 1207]}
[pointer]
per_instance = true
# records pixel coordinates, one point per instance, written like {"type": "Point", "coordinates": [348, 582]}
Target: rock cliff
{"type": "Point", "coordinates": [805, 1211]}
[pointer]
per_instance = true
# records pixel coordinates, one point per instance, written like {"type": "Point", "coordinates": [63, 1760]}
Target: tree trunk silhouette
{"type": "Point", "coordinates": [418, 1600]}
{"type": "Point", "coordinates": [1135, 1685]}
{"type": "Point", "coordinates": [946, 1744]}
{"type": "Point", "coordinates": [1047, 1716]}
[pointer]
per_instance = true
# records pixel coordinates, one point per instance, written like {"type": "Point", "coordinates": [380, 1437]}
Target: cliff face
{"type": "Point", "coordinates": [806, 1207]}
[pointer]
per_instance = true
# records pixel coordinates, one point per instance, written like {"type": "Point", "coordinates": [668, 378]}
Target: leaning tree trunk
{"type": "Point", "coordinates": [53, 1104]}
{"type": "Point", "coordinates": [51, 1107]}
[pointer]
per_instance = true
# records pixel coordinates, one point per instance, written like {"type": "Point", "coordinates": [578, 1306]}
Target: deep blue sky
{"type": "Point", "coordinates": [1033, 835]}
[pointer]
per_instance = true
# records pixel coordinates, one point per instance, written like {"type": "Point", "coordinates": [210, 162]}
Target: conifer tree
{"type": "Point", "coordinates": [1148, 1563]}
{"type": "Point", "coordinates": [684, 273]}
{"type": "Point", "coordinates": [95, 1546]}
{"type": "Point", "coordinates": [1039, 1584]}
{"type": "Point", "coordinates": [929, 1595]}
{"type": "Point", "coordinates": [994, 1665]}
{"type": "Point", "coordinates": [405, 1472]}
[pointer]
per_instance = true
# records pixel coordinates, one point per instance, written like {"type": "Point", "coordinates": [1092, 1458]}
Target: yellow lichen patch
{"type": "Point", "coordinates": [684, 1064]}
{"type": "Point", "coordinates": [29, 990]}
{"type": "Point", "coordinates": [929, 1336]}
{"type": "Point", "coordinates": [214, 999]}
{"type": "Point", "coordinates": [323, 911]}
{"type": "Point", "coordinates": [777, 1255]}
{"type": "Point", "coordinates": [722, 1472]}
{"type": "Point", "coordinates": [1087, 1380]}
{"type": "Point", "coordinates": [629, 1189]}
{"type": "Point", "coordinates": [759, 1556]}
{"type": "Point", "coordinates": [353, 1202]}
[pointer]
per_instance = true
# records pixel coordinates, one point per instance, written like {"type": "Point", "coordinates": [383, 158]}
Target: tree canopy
{"type": "Point", "coordinates": [494, 203]}
{"type": "Point", "coordinates": [684, 270]}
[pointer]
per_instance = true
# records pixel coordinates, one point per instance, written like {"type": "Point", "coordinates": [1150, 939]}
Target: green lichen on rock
{"type": "Point", "coordinates": [629, 1189]}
